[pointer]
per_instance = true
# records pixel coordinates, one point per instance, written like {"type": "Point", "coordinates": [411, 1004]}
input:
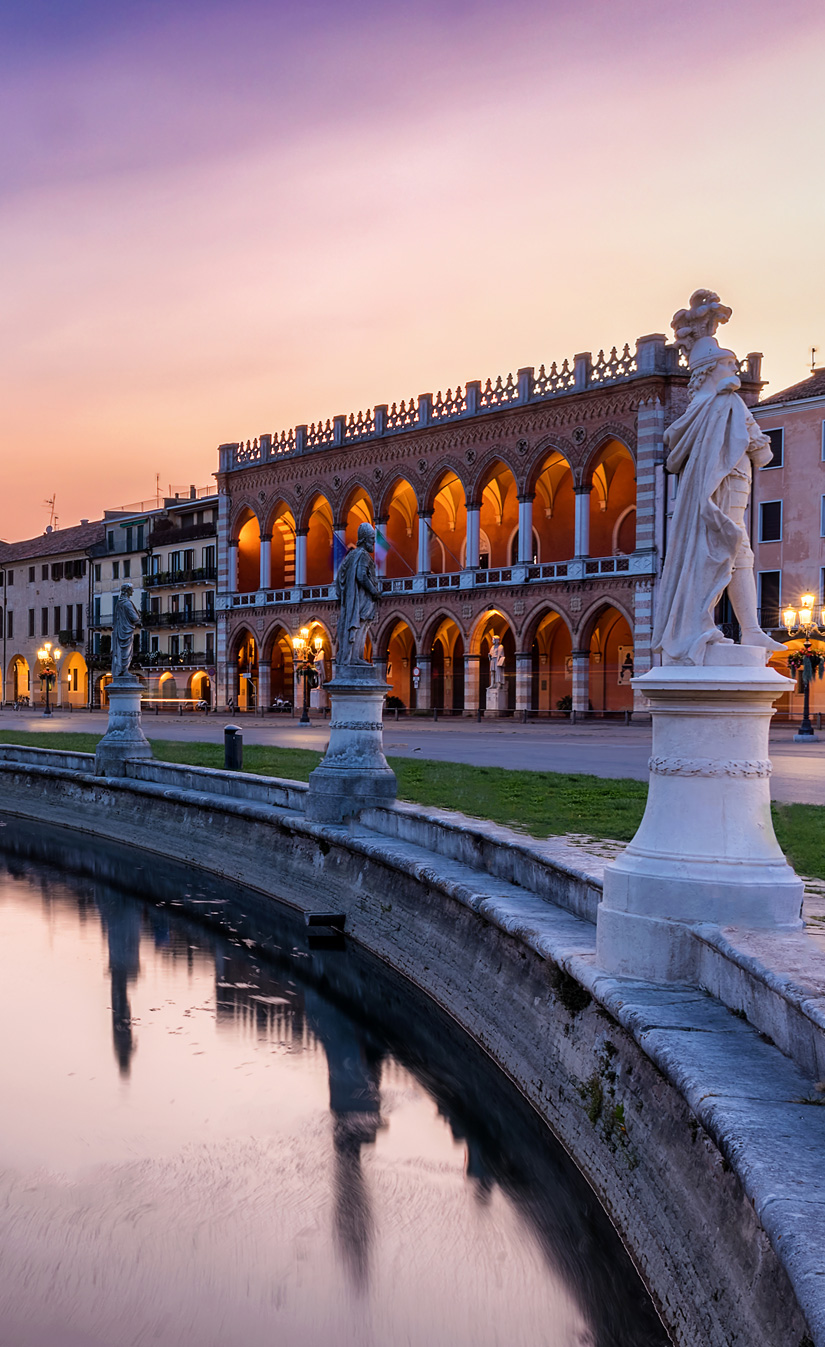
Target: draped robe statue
{"type": "Point", "coordinates": [713, 448]}
{"type": "Point", "coordinates": [126, 620]}
{"type": "Point", "coordinates": [358, 589]}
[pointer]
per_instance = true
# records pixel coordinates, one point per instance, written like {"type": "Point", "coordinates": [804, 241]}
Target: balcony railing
{"type": "Point", "coordinates": [160, 659]}
{"type": "Point", "coordinates": [199, 575]}
{"type": "Point", "coordinates": [187, 617]}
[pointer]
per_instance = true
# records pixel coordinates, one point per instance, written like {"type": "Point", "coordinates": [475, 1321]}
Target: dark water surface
{"type": "Point", "coordinates": [207, 1144]}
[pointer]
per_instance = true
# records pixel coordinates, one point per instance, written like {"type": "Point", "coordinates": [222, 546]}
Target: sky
{"type": "Point", "coordinates": [219, 220]}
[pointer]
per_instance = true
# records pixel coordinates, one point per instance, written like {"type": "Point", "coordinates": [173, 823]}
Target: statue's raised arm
{"type": "Point", "coordinates": [712, 447]}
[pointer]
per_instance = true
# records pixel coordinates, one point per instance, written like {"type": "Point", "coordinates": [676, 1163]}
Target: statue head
{"type": "Point", "coordinates": [366, 537]}
{"type": "Point", "coordinates": [713, 369]}
{"type": "Point", "coordinates": [126, 588]}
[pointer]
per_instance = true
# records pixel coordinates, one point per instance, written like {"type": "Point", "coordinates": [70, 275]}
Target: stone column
{"type": "Point", "coordinates": [472, 682]}
{"type": "Point", "coordinates": [339, 548]}
{"type": "Point", "coordinates": [705, 852]}
{"type": "Point", "coordinates": [266, 552]}
{"type": "Point", "coordinates": [232, 567]}
{"type": "Point", "coordinates": [581, 546]}
{"type": "Point", "coordinates": [525, 529]}
{"type": "Point", "coordinates": [473, 536]}
{"type": "Point", "coordinates": [424, 698]}
{"type": "Point", "coordinates": [264, 684]}
{"type": "Point", "coordinates": [301, 556]}
{"type": "Point", "coordinates": [581, 680]}
{"type": "Point", "coordinates": [524, 681]}
{"type": "Point", "coordinates": [424, 543]}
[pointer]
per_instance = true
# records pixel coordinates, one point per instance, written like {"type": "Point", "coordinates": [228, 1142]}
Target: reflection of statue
{"type": "Point", "coordinates": [496, 658]}
{"type": "Point", "coordinates": [358, 589]}
{"type": "Point", "coordinates": [711, 447]}
{"type": "Point", "coordinates": [126, 619]}
{"type": "Point", "coordinates": [320, 668]}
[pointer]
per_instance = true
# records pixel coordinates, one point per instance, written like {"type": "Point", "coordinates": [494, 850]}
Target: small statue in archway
{"type": "Point", "coordinates": [713, 447]}
{"type": "Point", "coordinates": [358, 590]}
{"type": "Point", "coordinates": [319, 665]}
{"type": "Point", "coordinates": [496, 659]}
{"type": "Point", "coordinates": [125, 621]}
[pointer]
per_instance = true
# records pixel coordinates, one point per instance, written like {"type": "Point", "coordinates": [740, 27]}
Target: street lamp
{"type": "Point", "coordinates": [305, 669]}
{"type": "Point", "coordinates": [48, 658]}
{"type": "Point", "coordinates": [805, 662]}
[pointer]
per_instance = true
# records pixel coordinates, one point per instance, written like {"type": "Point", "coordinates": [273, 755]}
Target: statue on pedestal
{"type": "Point", "coordinates": [713, 447]}
{"type": "Point", "coordinates": [125, 621]}
{"type": "Point", "coordinates": [358, 589]}
{"type": "Point", "coordinates": [496, 658]}
{"type": "Point", "coordinates": [319, 665]}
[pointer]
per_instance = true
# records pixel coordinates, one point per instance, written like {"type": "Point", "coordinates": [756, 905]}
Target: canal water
{"type": "Point", "coordinates": [207, 1143]}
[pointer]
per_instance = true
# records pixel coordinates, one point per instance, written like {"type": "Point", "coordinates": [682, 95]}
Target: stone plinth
{"type": "Point", "coordinates": [705, 851]}
{"type": "Point", "coordinates": [496, 701]}
{"type": "Point", "coordinates": [318, 698]}
{"type": "Point", "coordinates": [124, 737]}
{"type": "Point", "coordinates": [354, 773]}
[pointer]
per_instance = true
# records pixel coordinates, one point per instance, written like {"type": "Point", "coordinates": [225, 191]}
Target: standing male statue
{"type": "Point", "coordinates": [358, 589]}
{"type": "Point", "coordinates": [126, 619]}
{"type": "Point", "coordinates": [712, 447]}
{"type": "Point", "coordinates": [320, 666]}
{"type": "Point", "coordinates": [496, 659]}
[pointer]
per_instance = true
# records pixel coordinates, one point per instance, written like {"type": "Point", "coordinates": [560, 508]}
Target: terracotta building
{"type": "Point", "coordinates": [788, 516]}
{"type": "Point", "coordinates": [531, 507]}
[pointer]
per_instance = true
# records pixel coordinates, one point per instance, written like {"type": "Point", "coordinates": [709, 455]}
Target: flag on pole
{"type": "Point", "coordinates": [382, 547]}
{"type": "Point", "coordinates": [339, 551]}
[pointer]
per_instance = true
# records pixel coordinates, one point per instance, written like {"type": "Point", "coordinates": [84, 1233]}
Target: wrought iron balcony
{"type": "Point", "coordinates": [199, 575]}
{"type": "Point", "coordinates": [187, 617]}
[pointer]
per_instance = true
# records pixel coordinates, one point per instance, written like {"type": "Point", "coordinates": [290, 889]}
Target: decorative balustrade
{"type": "Point", "coordinates": [653, 356]}
{"type": "Point", "coordinates": [359, 427]}
{"type": "Point", "coordinates": [498, 394]}
{"type": "Point", "coordinates": [605, 369]}
{"type": "Point", "coordinates": [553, 380]}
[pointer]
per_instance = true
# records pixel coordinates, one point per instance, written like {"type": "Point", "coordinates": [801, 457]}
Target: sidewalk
{"type": "Point", "coordinates": [599, 748]}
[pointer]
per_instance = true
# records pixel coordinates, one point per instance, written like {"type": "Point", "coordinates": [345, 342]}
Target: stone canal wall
{"type": "Point", "coordinates": [700, 1137]}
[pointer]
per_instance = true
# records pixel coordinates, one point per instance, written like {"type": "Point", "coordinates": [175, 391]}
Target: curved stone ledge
{"type": "Point", "coordinates": [690, 1128]}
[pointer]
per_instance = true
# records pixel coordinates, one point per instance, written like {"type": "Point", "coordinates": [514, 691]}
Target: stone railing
{"type": "Point", "coordinates": [653, 356]}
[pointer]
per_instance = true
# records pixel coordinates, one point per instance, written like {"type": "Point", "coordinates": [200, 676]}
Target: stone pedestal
{"type": "Point", "coordinates": [318, 698]}
{"type": "Point", "coordinates": [496, 701]}
{"type": "Point", "coordinates": [354, 773]}
{"type": "Point", "coordinates": [124, 737]}
{"type": "Point", "coordinates": [706, 849]}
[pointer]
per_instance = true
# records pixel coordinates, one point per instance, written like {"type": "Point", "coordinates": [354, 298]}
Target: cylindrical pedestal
{"type": "Point", "coordinates": [124, 738]}
{"type": "Point", "coordinates": [354, 773]}
{"type": "Point", "coordinates": [706, 849]}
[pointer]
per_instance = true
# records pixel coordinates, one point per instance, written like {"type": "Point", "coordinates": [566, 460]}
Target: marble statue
{"type": "Point", "coordinates": [125, 621]}
{"type": "Point", "coordinates": [320, 668]}
{"type": "Point", "coordinates": [496, 658]}
{"type": "Point", "coordinates": [713, 448]}
{"type": "Point", "coordinates": [358, 590]}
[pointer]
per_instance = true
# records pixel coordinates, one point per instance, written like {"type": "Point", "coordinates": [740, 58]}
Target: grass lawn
{"type": "Point", "coordinates": [540, 803]}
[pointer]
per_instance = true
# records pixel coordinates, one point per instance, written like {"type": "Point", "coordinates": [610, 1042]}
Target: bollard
{"type": "Point", "coordinates": [435, 713]}
{"type": "Point", "coordinates": [480, 714]}
{"type": "Point", "coordinates": [232, 748]}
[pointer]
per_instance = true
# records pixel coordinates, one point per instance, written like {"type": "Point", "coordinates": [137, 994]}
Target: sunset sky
{"type": "Point", "coordinates": [219, 219]}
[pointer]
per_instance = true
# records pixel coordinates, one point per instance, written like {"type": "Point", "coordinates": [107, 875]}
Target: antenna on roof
{"type": "Point", "coordinates": [814, 350]}
{"type": "Point", "coordinates": [52, 516]}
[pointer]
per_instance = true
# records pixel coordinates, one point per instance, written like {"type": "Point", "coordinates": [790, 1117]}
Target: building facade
{"type": "Point", "coordinates": [168, 554]}
{"type": "Point", "coordinates": [532, 508]}
{"type": "Point", "coordinates": [788, 515]}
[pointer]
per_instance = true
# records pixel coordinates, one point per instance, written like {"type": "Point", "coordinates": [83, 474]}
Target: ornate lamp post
{"type": "Point", "coordinates": [305, 669]}
{"type": "Point", "coordinates": [48, 657]}
{"type": "Point", "coordinates": [806, 663]}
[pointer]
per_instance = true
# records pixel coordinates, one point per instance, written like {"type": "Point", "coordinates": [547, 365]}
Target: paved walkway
{"type": "Point", "coordinates": [600, 748]}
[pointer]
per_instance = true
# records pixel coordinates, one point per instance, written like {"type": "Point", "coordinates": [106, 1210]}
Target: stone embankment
{"type": "Point", "coordinates": [692, 1110]}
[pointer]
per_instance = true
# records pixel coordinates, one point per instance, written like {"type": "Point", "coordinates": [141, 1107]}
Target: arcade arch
{"type": "Point", "coordinates": [401, 531]}
{"type": "Point", "coordinates": [499, 514]}
{"type": "Point", "coordinates": [551, 664]}
{"type": "Point", "coordinates": [358, 510]}
{"type": "Point", "coordinates": [244, 666]}
{"type": "Point", "coordinates": [278, 654]}
{"type": "Point", "coordinates": [448, 525]}
{"type": "Point", "coordinates": [611, 660]}
{"type": "Point", "coordinates": [200, 687]}
{"type": "Point", "coordinates": [75, 680]}
{"type": "Point", "coordinates": [612, 475]}
{"type": "Point", "coordinates": [19, 679]}
{"type": "Point", "coordinates": [490, 624]}
{"type": "Point", "coordinates": [554, 509]}
{"type": "Point", "coordinates": [319, 542]}
{"type": "Point", "coordinates": [248, 535]}
{"type": "Point", "coordinates": [447, 667]}
{"type": "Point", "coordinates": [281, 547]}
{"type": "Point", "coordinates": [401, 659]}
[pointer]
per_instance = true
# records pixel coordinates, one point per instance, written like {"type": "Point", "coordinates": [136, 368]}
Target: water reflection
{"type": "Point", "coordinates": [287, 1145]}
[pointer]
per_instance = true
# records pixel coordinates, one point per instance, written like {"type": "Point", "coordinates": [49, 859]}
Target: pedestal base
{"type": "Point", "coordinates": [124, 738]}
{"type": "Point", "coordinates": [706, 849]}
{"type": "Point", "coordinates": [496, 701]}
{"type": "Point", "coordinates": [354, 773]}
{"type": "Point", "coordinates": [318, 698]}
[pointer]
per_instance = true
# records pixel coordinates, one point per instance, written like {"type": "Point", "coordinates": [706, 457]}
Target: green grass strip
{"type": "Point", "coordinates": [543, 804]}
